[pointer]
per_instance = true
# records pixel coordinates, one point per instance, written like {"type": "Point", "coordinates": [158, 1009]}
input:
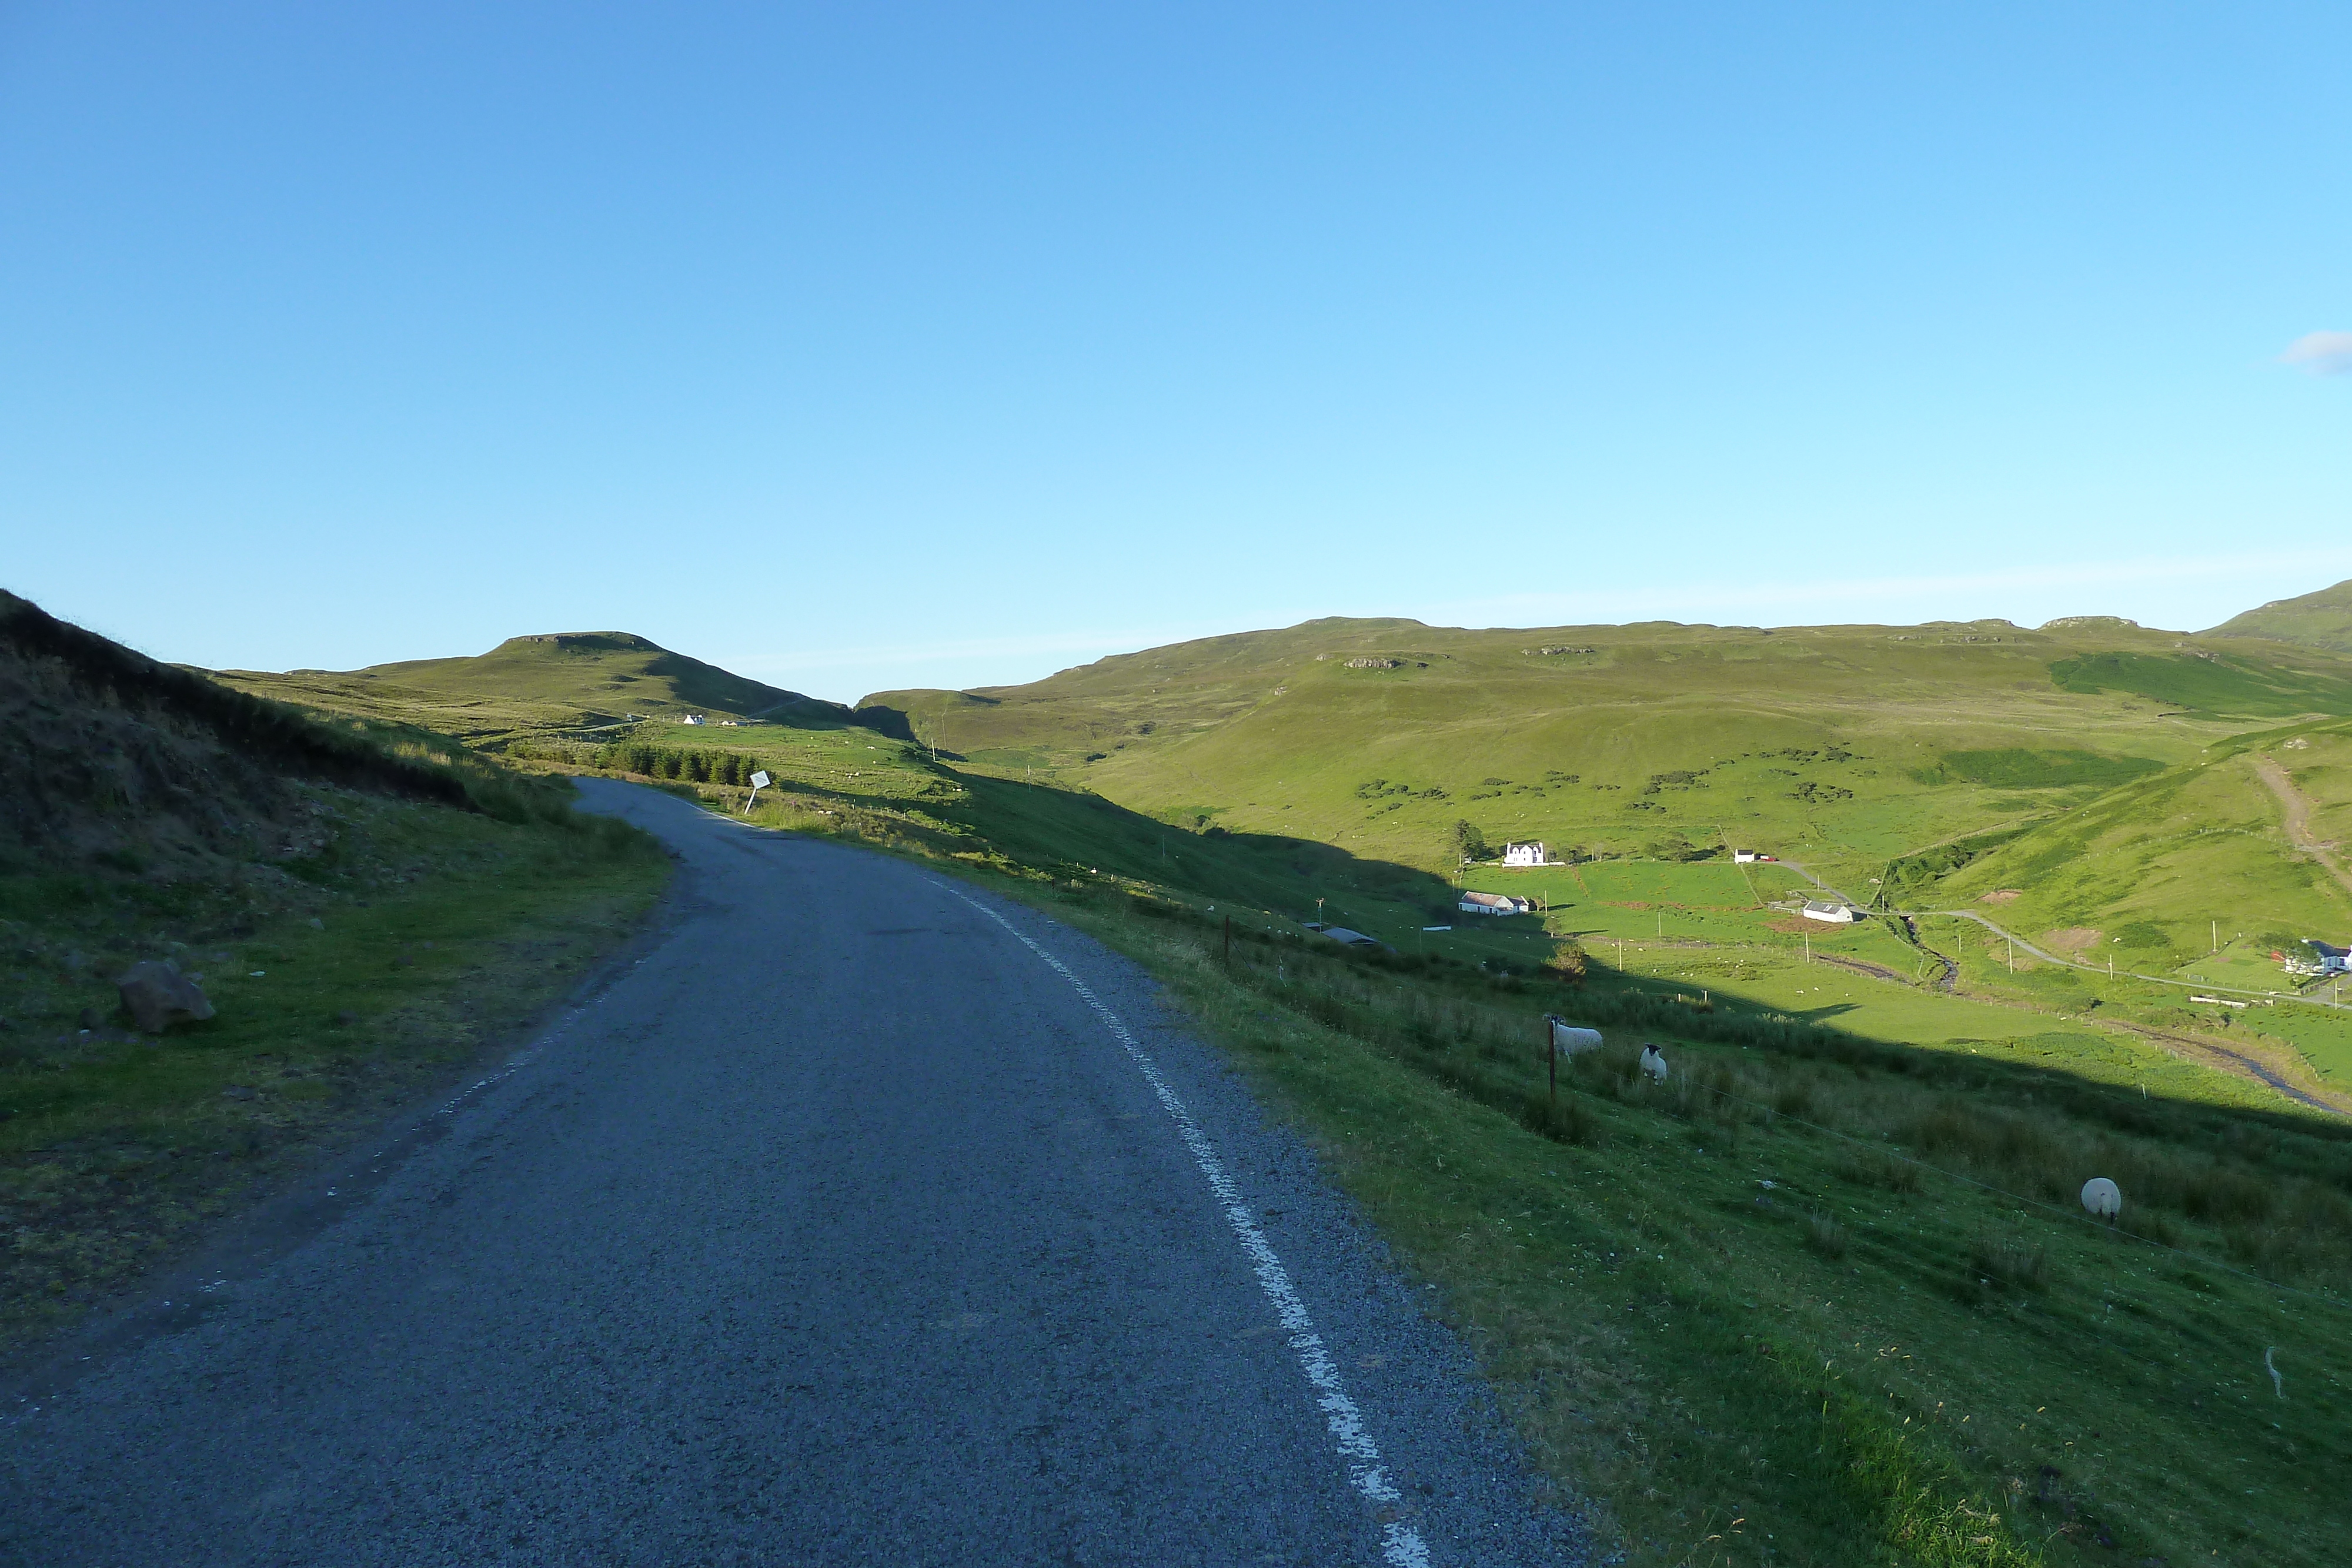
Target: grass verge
{"type": "Point", "coordinates": [345, 982]}
{"type": "Point", "coordinates": [1804, 1306]}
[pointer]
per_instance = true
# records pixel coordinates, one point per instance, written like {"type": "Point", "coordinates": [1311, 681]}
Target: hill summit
{"type": "Point", "coordinates": [2321, 620]}
{"type": "Point", "coordinates": [541, 681]}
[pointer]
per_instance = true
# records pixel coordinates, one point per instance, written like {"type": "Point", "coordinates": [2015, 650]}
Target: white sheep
{"type": "Point", "coordinates": [2103, 1198]}
{"type": "Point", "coordinates": [1653, 1063]}
{"type": "Point", "coordinates": [1567, 1039]}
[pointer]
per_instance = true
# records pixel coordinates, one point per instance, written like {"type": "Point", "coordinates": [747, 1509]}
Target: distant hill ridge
{"type": "Point", "coordinates": [2321, 620]}
{"type": "Point", "coordinates": [544, 680]}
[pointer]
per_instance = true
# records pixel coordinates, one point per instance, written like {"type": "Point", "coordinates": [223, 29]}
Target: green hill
{"type": "Point", "coordinates": [365, 907]}
{"type": "Point", "coordinates": [1842, 746]}
{"type": "Point", "coordinates": [552, 681]}
{"type": "Point", "coordinates": [2321, 620]}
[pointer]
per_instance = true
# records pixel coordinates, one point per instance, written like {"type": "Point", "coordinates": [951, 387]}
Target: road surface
{"type": "Point", "coordinates": [861, 1218]}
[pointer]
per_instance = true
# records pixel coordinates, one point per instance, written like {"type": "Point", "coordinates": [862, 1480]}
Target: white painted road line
{"type": "Point", "coordinates": [1400, 1545]}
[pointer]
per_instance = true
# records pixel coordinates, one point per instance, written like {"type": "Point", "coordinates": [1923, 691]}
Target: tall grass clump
{"type": "Point", "coordinates": [2008, 1261]}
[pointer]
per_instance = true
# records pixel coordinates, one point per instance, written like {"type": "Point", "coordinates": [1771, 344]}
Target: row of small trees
{"type": "Point", "coordinates": [669, 762]}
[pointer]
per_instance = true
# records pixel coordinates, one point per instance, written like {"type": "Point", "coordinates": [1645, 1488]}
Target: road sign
{"type": "Point", "coordinates": [759, 782]}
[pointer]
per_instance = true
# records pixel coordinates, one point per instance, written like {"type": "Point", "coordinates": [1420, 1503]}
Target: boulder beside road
{"type": "Point", "coordinates": [157, 995]}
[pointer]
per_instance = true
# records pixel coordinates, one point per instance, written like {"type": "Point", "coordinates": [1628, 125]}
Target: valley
{"type": "Point", "coordinates": [2075, 852]}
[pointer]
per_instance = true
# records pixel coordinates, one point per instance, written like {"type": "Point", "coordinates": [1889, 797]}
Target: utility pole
{"type": "Point", "coordinates": [2012, 953]}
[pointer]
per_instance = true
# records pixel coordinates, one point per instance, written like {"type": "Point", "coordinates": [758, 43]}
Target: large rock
{"type": "Point", "coordinates": [157, 995]}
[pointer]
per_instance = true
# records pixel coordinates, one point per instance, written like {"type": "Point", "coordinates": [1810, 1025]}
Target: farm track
{"type": "Point", "coordinates": [2216, 1055]}
{"type": "Point", "coordinates": [2298, 820]}
{"type": "Point", "coordinates": [1875, 971]}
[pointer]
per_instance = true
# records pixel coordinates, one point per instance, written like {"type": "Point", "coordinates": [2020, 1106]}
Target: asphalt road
{"type": "Point", "coordinates": [860, 1218]}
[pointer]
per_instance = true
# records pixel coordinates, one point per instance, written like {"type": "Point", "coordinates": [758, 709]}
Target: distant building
{"type": "Point", "coordinates": [1493, 904]}
{"type": "Point", "coordinates": [1744, 857]}
{"type": "Point", "coordinates": [1829, 913]}
{"type": "Point", "coordinates": [2333, 960]}
{"type": "Point", "coordinates": [692, 718]}
{"type": "Point", "coordinates": [1523, 854]}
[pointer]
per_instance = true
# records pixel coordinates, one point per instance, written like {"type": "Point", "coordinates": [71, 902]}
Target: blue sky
{"type": "Point", "coordinates": [859, 347]}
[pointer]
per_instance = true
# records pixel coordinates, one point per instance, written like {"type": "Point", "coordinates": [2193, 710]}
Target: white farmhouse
{"type": "Point", "coordinates": [1743, 857]}
{"type": "Point", "coordinates": [692, 718]}
{"type": "Point", "coordinates": [2333, 960]}
{"type": "Point", "coordinates": [1829, 913]}
{"type": "Point", "coordinates": [1493, 904]}
{"type": "Point", "coordinates": [1524, 854]}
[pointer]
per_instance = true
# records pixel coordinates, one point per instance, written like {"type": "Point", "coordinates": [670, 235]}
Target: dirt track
{"type": "Point", "coordinates": [2298, 820]}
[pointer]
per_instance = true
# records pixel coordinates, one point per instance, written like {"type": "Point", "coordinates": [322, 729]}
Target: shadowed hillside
{"type": "Point", "coordinates": [113, 756]}
{"type": "Point", "coordinates": [363, 907]}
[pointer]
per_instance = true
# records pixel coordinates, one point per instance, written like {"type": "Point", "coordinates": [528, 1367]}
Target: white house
{"type": "Point", "coordinates": [1493, 904]}
{"type": "Point", "coordinates": [692, 718]}
{"type": "Point", "coordinates": [2333, 960]}
{"type": "Point", "coordinates": [1523, 854]}
{"type": "Point", "coordinates": [1829, 913]}
{"type": "Point", "coordinates": [1744, 857]}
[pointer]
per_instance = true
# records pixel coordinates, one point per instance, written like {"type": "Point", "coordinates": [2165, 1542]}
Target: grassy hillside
{"type": "Point", "coordinates": [551, 681]}
{"type": "Point", "coordinates": [2321, 620]}
{"type": "Point", "coordinates": [366, 907]}
{"type": "Point", "coordinates": [1843, 746]}
{"type": "Point", "coordinates": [2092, 788]}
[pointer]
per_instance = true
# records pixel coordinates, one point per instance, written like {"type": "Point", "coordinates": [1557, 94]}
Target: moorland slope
{"type": "Point", "coordinates": [2321, 620]}
{"type": "Point", "coordinates": [544, 681]}
{"type": "Point", "coordinates": [1845, 745]}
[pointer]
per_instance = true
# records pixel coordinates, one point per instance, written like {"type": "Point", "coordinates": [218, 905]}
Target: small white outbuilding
{"type": "Point", "coordinates": [1830, 912]}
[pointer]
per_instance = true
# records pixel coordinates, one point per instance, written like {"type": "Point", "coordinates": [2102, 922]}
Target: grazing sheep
{"type": "Point", "coordinates": [2103, 1198]}
{"type": "Point", "coordinates": [1567, 1039]}
{"type": "Point", "coordinates": [1653, 1063]}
